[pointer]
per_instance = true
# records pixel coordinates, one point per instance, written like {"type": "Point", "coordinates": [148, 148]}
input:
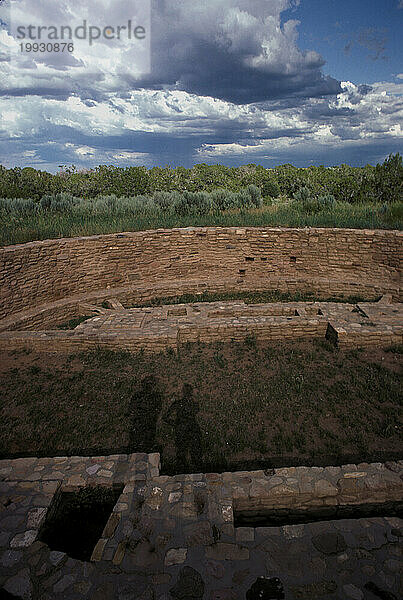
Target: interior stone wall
{"type": "Point", "coordinates": [167, 262]}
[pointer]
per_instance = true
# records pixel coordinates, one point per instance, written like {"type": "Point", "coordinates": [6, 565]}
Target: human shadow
{"type": "Point", "coordinates": [182, 415]}
{"type": "Point", "coordinates": [144, 412]}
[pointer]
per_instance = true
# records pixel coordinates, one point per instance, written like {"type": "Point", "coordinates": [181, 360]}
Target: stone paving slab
{"type": "Point", "coordinates": [175, 537]}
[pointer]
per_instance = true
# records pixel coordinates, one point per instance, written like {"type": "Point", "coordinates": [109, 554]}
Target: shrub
{"type": "Point", "coordinates": [255, 195]}
{"type": "Point", "coordinates": [223, 199]}
{"type": "Point", "coordinates": [388, 179]}
{"type": "Point", "coordinates": [303, 194]}
{"type": "Point", "coordinates": [382, 183]}
{"type": "Point", "coordinates": [327, 201]}
{"type": "Point", "coordinates": [270, 189]}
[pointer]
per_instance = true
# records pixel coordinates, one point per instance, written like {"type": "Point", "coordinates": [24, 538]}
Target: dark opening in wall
{"type": "Point", "coordinates": [76, 520]}
{"type": "Point", "coordinates": [293, 259]}
{"type": "Point", "coordinates": [249, 258]}
{"type": "Point", "coordinates": [242, 271]}
{"type": "Point", "coordinates": [288, 516]}
{"type": "Point", "coordinates": [263, 258]}
{"type": "Point", "coordinates": [4, 595]}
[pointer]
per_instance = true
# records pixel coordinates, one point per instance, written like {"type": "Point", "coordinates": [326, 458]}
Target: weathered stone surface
{"type": "Point", "coordinates": [111, 525]}
{"type": "Point", "coordinates": [175, 556]}
{"type": "Point", "coordinates": [56, 558]}
{"type": "Point", "coordinates": [64, 583]}
{"type": "Point", "coordinates": [92, 469]}
{"type": "Point", "coordinates": [183, 510]}
{"type": "Point", "coordinates": [351, 591]}
{"type": "Point", "coordinates": [144, 556]}
{"type": "Point", "coordinates": [161, 578]}
{"type": "Point", "coordinates": [189, 585]}
{"type": "Point", "coordinates": [319, 589]}
{"type": "Point", "coordinates": [324, 488]}
{"type": "Point", "coordinates": [99, 550]}
{"type": "Point", "coordinates": [198, 534]}
{"type": "Point", "coordinates": [225, 551]}
{"type": "Point", "coordinates": [174, 496]}
{"type": "Point", "coordinates": [329, 543]}
{"type": "Point", "coordinates": [36, 516]}
{"type": "Point", "coordinates": [9, 558]}
{"type": "Point", "coordinates": [293, 532]}
{"type": "Point", "coordinates": [223, 594]}
{"type": "Point", "coordinates": [329, 262]}
{"type": "Point", "coordinates": [82, 587]}
{"type": "Point", "coordinates": [155, 498]}
{"type": "Point", "coordinates": [344, 550]}
{"type": "Point", "coordinates": [245, 534]}
{"type": "Point", "coordinates": [12, 522]}
{"type": "Point", "coordinates": [215, 569]}
{"type": "Point", "coordinates": [394, 566]}
{"type": "Point", "coordinates": [20, 585]}
{"type": "Point", "coordinates": [76, 481]}
{"type": "Point", "coordinates": [23, 540]}
{"type": "Point", "coordinates": [240, 576]}
{"type": "Point", "coordinates": [227, 513]}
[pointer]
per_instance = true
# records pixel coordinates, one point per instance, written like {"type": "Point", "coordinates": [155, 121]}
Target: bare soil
{"type": "Point", "coordinates": [208, 407]}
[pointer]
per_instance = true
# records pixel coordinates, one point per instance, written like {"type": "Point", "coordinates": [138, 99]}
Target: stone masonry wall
{"type": "Point", "coordinates": [178, 537]}
{"type": "Point", "coordinates": [167, 262]}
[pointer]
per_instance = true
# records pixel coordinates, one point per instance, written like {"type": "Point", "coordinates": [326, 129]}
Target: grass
{"type": "Point", "coordinates": [251, 297]}
{"type": "Point", "coordinates": [73, 323]}
{"type": "Point", "coordinates": [19, 227]}
{"type": "Point", "coordinates": [206, 407]}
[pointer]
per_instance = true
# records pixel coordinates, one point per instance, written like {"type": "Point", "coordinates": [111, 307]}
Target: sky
{"type": "Point", "coordinates": [229, 82]}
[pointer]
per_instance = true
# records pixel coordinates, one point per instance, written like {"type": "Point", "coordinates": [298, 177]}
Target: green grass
{"type": "Point", "coordinates": [240, 405]}
{"type": "Point", "coordinates": [73, 323]}
{"type": "Point", "coordinates": [251, 297]}
{"type": "Point", "coordinates": [20, 227]}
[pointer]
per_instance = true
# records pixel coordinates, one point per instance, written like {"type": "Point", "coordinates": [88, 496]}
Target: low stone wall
{"type": "Point", "coordinates": [166, 533]}
{"type": "Point", "coordinates": [325, 262]}
{"type": "Point", "coordinates": [153, 329]}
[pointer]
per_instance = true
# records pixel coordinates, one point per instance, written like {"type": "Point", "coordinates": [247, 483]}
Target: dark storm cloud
{"type": "Point", "coordinates": [229, 85]}
{"type": "Point", "coordinates": [237, 51]}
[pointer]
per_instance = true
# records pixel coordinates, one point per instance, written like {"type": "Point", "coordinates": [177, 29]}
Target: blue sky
{"type": "Point", "coordinates": [232, 82]}
{"type": "Point", "coordinates": [359, 39]}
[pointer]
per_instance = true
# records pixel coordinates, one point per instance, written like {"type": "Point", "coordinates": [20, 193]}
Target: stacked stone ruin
{"type": "Point", "coordinates": [203, 535]}
{"type": "Point", "coordinates": [43, 284]}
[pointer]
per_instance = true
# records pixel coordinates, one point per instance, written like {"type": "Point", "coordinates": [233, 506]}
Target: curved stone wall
{"type": "Point", "coordinates": [141, 265]}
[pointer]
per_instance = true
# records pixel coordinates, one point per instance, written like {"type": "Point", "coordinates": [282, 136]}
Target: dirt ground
{"type": "Point", "coordinates": [208, 407]}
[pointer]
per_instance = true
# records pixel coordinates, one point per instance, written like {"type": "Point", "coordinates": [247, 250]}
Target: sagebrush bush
{"type": "Point", "coordinates": [172, 203]}
{"type": "Point", "coordinates": [327, 201]}
{"type": "Point", "coordinates": [303, 194]}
